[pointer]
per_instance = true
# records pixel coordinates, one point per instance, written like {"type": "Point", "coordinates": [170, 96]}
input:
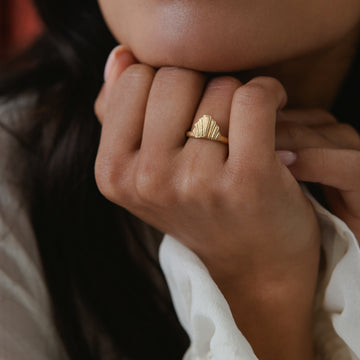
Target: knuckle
{"type": "Point", "coordinates": [185, 186]}
{"type": "Point", "coordinates": [169, 75]}
{"type": "Point", "coordinates": [193, 186]}
{"type": "Point", "coordinates": [138, 71]}
{"type": "Point", "coordinates": [240, 193]}
{"type": "Point", "coordinates": [146, 184]}
{"type": "Point", "coordinates": [194, 190]}
{"type": "Point", "coordinates": [251, 94]}
{"type": "Point", "coordinates": [224, 82]}
{"type": "Point", "coordinates": [153, 186]}
{"type": "Point", "coordinates": [221, 88]}
{"type": "Point", "coordinates": [244, 179]}
{"type": "Point", "coordinates": [253, 176]}
{"type": "Point", "coordinates": [170, 71]}
{"type": "Point", "coordinates": [260, 91]}
{"type": "Point", "coordinates": [110, 179]}
{"type": "Point", "coordinates": [268, 82]}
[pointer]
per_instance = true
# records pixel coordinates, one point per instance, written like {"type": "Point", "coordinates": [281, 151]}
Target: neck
{"type": "Point", "coordinates": [313, 80]}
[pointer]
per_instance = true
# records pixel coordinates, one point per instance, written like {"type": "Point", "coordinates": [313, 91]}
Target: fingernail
{"type": "Point", "coordinates": [115, 54]}
{"type": "Point", "coordinates": [286, 157]}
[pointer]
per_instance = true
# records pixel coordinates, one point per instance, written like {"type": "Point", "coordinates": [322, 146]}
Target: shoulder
{"type": "Point", "coordinates": [26, 324]}
{"type": "Point", "coordinates": [13, 116]}
{"type": "Point", "coordinates": [13, 207]}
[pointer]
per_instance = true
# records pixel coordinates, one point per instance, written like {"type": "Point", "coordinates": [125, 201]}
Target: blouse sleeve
{"type": "Point", "coordinates": [27, 331]}
{"type": "Point", "coordinates": [339, 290]}
{"type": "Point", "coordinates": [26, 328]}
{"type": "Point", "coordinates": [206, 317]}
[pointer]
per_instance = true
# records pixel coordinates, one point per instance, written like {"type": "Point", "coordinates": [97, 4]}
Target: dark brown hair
{"type": "Point", "coordinates": [109, 297]}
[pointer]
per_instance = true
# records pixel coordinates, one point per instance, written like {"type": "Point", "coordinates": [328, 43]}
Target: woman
{"type": "Point", "coordinates": [237, 206]}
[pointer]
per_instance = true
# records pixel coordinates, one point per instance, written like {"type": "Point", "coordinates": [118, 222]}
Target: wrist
{"type": "Point", "coordinates": [276, 317]}
{"type": "Point", "coordinates": [277, 322]}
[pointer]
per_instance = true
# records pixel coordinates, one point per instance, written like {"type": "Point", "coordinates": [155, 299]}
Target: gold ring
{"type": "Point", "coordinates": [207, 128]}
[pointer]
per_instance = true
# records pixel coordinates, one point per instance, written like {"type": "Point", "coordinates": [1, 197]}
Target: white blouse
{"type": "Point", "coordinates": [27, 331]}
{"type": "Point", "coordinates": [206, 316]}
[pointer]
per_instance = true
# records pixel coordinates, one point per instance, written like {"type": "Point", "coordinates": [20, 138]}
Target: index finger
{"type": "Point", "coordinates": [253, 117]}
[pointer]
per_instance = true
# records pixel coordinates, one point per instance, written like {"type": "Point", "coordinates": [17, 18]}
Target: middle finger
{"type": "Point", "coordinates": [172, 102]}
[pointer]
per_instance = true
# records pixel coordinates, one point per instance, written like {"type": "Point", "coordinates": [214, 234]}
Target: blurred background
{"type": "Point", "coordinates": [19, 26]}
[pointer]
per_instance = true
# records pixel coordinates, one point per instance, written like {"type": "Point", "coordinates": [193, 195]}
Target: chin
{"type": "Point", "coordinates": [205, 59]}
{"type": "Point", "coordinates": [208, 56]}
{"type": "Point", "coordinates": [198, 50]}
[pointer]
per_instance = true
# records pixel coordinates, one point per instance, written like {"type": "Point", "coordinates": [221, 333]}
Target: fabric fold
{"type": "Point", "coordinates": [201, 308]}
{"type": "Point", "coordinates": [342, 278]}
{"type": "Point", "coordinates": [206, 317]}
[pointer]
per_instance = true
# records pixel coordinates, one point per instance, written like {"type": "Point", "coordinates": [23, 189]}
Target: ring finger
{"type": "Point", "coordinates": [215, 102]}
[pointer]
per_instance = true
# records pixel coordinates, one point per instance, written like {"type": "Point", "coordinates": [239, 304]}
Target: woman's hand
{"type": "Point", "coordinates": [328, 153]}
{"type": "Point", "coordinates": [238, 207]}
{"type": "Point", "coordinates": [225, 203]}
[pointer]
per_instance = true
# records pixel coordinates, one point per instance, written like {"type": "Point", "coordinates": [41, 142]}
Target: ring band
{"type": "Point", "coordinates": [207, 128]}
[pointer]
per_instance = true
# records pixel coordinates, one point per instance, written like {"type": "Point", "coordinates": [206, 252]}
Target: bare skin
{"type": "Point", "coordinates": [159, 176]}
{"type": "Point", "coordinates": [267, 273]}
{"type": "Point", "coordinates": [313, 80]}
{"type": "Point", "coordinates": [307, 46]}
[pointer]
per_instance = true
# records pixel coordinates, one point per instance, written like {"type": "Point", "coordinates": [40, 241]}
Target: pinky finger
{"type": "Point", "coordinates": [337, 168]}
